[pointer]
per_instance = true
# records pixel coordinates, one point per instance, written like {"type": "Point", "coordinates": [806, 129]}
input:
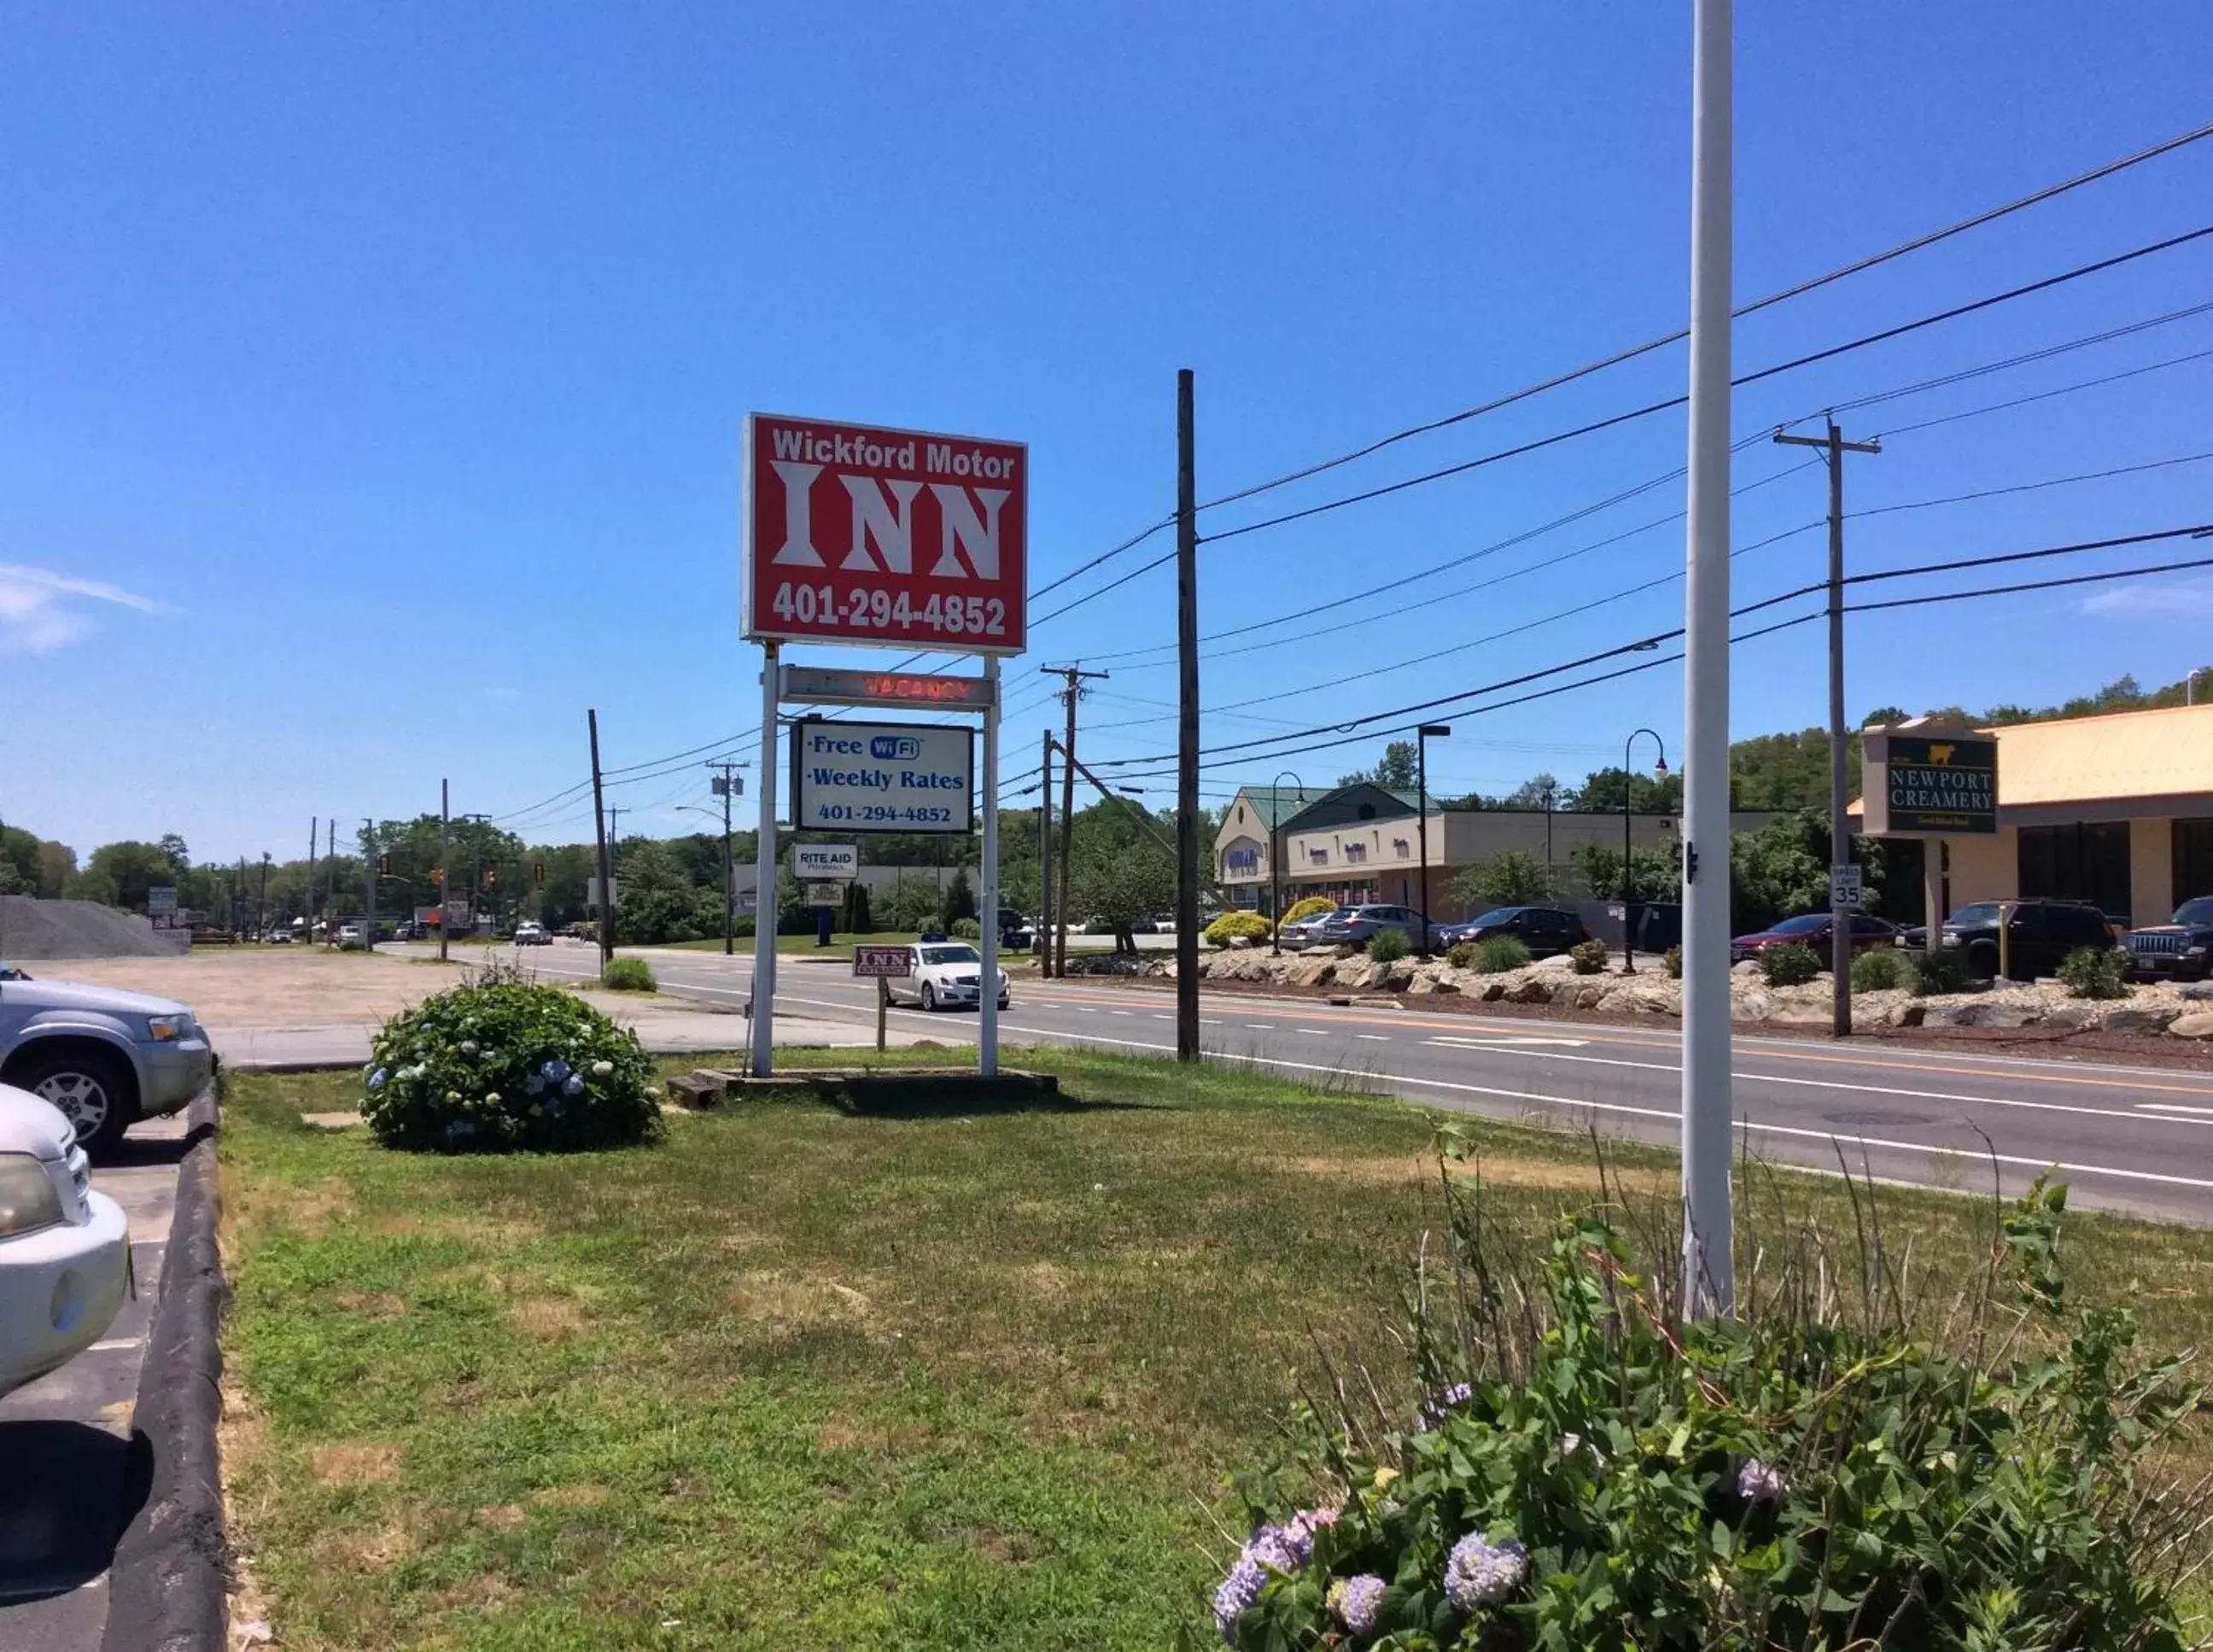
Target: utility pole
{"type": "Point", "coordinates": [606, 926]}
{"type": "Point", "coordinates": [1708, 1262]}
{"type": "Point", "coordinates": [1187, 936]}
{"type": "Point", "coordinates": [307, 900]}
{"type": "Point", "coordinates": [1840, 837]}
{"type": "Point", "coordinates": [1044, 851]}
{"type": "Point", "coordinates": [368, 886]}
{"type": "Point", "coordinates": [331, 840]}
{"type": "Point", "coordinates": [445, 832]}
{"type": "Point", "coordinates": [261, 902]}
{"type": "Point", "coordinates": [726, 786]}
{"type": "Point", "coordinates": [1072, 691]}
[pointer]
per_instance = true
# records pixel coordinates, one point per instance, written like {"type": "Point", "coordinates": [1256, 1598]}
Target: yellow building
{"type": "Point", "coordinates": [2116, 810]}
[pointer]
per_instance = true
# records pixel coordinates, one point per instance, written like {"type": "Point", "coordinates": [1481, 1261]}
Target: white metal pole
{"type": "Point", "coordinates": [1709, 1286]}
{"type": "Point", "coordinates": [764, 878]}
{"type": "Point", "coordinates": [987, 978]}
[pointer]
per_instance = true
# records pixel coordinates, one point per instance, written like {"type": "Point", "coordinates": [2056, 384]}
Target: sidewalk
{"type": "Point", "coordinates": [663, 1032]}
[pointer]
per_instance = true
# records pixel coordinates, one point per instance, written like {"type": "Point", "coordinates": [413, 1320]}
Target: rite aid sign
{"type": "Point", "coordinates": [883, 777]}
{"type": "Point", "coordinates": [897, 539]}
{"type": "Point", "coordinates": [824, 862]}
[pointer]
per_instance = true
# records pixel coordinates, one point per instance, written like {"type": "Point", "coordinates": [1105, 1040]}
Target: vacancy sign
{"type": "Point", "coordinates": [898, 539]}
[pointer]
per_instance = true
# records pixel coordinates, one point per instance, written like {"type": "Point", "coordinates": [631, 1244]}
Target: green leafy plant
{"type": "Point", "coordinates": [1461, 955]}
{"type": "Point", "coordinates": [1588, 957]}
{"type": "Point", "coordinates": [500, 1064]}
{"type": "Point", "coordinates": [1510, 878]}
{"type": "Point", "coordinates": [2095, 972]}
{"type": "Point", "coordinates": [1792, 964]}
{"type": "Point", "coordinates": [1673, 959]}
{"type": "Point", "coordinates": [629, 975]}
{"type": "Point", "coordinates": [1230, 926]}
{"type": "Point", "coordinates": [1878, 969]}
{"type": "Point", "coordinates": [1306, 907]}
{"type": "Point", "coordinates": [1496, 954]}
{"type": "Point", "coordinates": [1580, 1465]}
{"type": "Point", "coordinates": [1388, 946]}
{"type": "Point", "coordinates": [1943, 971]}
{"type": "Point", "coordinates": [966, 929]}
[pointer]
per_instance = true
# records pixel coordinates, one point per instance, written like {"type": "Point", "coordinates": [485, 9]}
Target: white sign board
{"type": "Point", "coordinates": [825, 894]}
{"type": "Point", "coordinates": [1845, 887]}
{"type": "Point", "coordinates": [160, 900]}
{"type": "Point", "coordinates": [825, 863]}
{"type": "Point", "coordinates": [592, 902]}
{"type": "Point", "coordinates": [883, 777]}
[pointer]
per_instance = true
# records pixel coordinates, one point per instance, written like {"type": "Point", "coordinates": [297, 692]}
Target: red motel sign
{"type": "Point", "coordinates": [893, 539]}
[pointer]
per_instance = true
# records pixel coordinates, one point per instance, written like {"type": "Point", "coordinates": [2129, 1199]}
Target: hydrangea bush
{"type": "Point", "coordinates": [502, 1064]}
{"type": "Point", "coordinates": [1579, 1470]}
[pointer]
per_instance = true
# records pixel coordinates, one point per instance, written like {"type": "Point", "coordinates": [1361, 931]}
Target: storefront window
{"type": "Point", "coordinates": [2193, 861]}
{"type": "Point", "coordinates": [2088, 862]}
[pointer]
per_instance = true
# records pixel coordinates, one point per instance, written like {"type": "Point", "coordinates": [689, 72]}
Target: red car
{"type": "Point", "coordinates": [1813, 930]}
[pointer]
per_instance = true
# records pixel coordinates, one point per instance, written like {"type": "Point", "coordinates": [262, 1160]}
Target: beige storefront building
{"type": "Point", "coordinates": [2116, 810]}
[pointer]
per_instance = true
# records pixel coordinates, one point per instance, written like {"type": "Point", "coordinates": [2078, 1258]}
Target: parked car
{"type": "Point", "coordinates": [352, 935]}
{"type": "Point", "coordinates": [277, 934]}
{"type": "Point", "coordinates": [2181, 950]}
{"type": "Point", "coordinates": [1817, 931]}
{"type": "Point", "coordinates": [530, 934]}
{"type": "Point", "coordinates": [65, 1249]}
{"type": "Point", "coordinates": [1544, 930]}
{"type": "Point", "coordinates": [944, 976]}
{"type": "Point", "coordinates": [1302, 932]}
{"type": "Point", "coordinates": [2039, 934]}
{"type": "Point", "coordinates": [105, 1057]}
{"type": "Point", "coordinates": [1017, 933]}
{"type": "Point", "coordinates": [1356, 926]}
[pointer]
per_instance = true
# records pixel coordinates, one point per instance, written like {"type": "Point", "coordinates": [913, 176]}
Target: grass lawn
{"type": "Point", "coordinates": [797, 1380]}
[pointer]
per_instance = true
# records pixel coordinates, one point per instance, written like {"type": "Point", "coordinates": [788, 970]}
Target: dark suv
{"type": "Point", "coordinates": [1543, 930]}
{"type": "Point", "coordinates": [2039, 934]}
{"type": "Point", "coordinates": [2178, 951]}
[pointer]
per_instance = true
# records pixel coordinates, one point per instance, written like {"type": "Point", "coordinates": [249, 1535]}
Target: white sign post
{"type": "Point", "coordinates": [825, 863]}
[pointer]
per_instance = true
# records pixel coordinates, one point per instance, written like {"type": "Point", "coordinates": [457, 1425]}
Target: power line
{"type": "Point", "coordinates": [1827, 354]}
{"type": "Point", "coordinates": [1856, 267]}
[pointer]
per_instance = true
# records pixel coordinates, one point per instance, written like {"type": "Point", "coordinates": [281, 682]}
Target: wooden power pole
{"type": "Point", "coordinates": [1186, 934]}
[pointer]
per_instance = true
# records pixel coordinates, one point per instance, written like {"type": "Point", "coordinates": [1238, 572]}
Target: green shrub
{"type": "Point", "coordinates": [1495, 954]}
{"type": "Point", "coordinates": [1793, 964]}
{"type": "Point", "coordinates": [1587, 956]}
{"type": "Point", "coordinates": [743, 924]}
{"type": "Point", "coordinates": [1231, 926]}
{"type": "Point", "coordinates": [966, 929]}
{"type": "Point", "coordinates": [1940, 971]}
{"type": "Point", "coordinates": [2095, 972]}
{"type": "Point", "coordinates": [1306, 907]}
{"type": "Point", "coordinates": [1387, 946]}
{"type": "Point", "coordinates": [1461, 955]}
{"type": "Point", "coordinates": [1878, 970]}
{"type": "Point", "coordinates": [498, 1064]}
{"type": "Point", "coordinates": [1673, 959]}
{"type": "Point", "coordinates": [1581, 1466]}
{"type": "Point", "coordinates": [629, 975]}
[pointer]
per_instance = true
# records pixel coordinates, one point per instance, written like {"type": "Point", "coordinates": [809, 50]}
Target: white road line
{"type": "Point", "coordinates": [119, 1342]}
{"type": "Point", "coordinates": [1457, 1041]}
{"type": "Point", "coordinates": [1742, 1077]}
{"type": "Point", "coordinates": [1158, 1017]}
{"type": "Point", "coordinates": [1676, 1118]}
{"type": "Point", "coordinates": [1261, 1027]}
{"type": "Point", "coordinates": [1317, 1032]}
{"type": "Point", "coordinates": [1121, 1012]}
{"type": "Point", "coordinates": [1372, 1038]}
{"type": "Point", "coordinates": [2175, 1106]}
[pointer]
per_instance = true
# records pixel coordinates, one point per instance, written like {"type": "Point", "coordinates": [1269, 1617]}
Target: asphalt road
{"type": "Point", "coordinates": [68, 1484]}
{"type": "Point", "coordinates": [2138, 1140]}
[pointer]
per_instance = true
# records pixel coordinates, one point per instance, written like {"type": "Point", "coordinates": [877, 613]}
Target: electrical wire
{"type": "Point", "coordinates": [1612, 420]}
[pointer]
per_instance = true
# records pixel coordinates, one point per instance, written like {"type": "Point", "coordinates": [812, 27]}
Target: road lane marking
{"type": "Point", "coordinates": [1261, 1027]}
{"type": "Point", "coordinates": [118, 1342]}
{"type": "Point", "coordinates": [1503, 1042]}
{"type": "Point", "coordinates": [1317, 1032]}
{"type": "Point", "coordinates": [2175, 1106]}
{"type": "Point", "coordinates": [1371, 1038]}
{"type": "Point", "coordinates": [1121, 1012]}
{"type": "Point", "coordinates": [1676, 1118]}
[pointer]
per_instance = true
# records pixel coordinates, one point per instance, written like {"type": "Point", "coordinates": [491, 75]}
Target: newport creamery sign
{"type": "Point", "coordinates": [1929, 780]}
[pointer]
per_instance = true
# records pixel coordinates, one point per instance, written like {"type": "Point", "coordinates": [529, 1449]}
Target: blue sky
{"type": "Point", "coordinates": [371, 379]}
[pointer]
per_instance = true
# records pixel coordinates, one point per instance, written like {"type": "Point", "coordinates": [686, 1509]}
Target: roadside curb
{"type": "Point", "coordinates": [168, 1591]}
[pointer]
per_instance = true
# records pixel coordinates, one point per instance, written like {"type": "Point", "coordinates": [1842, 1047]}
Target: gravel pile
{"type": "Point", "coordinates": [33, 929]}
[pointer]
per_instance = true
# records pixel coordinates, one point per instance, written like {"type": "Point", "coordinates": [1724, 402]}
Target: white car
{"type": "Point", "coordinates": [530, 934]}
{"type": "Point", "coordinates": [943, 974]}
{"type": "Point", "coordinates": [64, 1250]}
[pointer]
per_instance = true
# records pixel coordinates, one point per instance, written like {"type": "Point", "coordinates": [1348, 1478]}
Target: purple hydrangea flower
{"type": "Point", "coordinates": [376, 1079]}
{"type": "Point", "coordinates": [1357, 1602]}
{"type": "Point", "coordinates": [1238, 1592]}
{"type": "Point", "coordinates": [532, 1085]}
{"type": "Point", "coordinates": [555, 1070]}
{"type": "Point", "coordinates": [1444, 1403]}
{"type": "Point", "coordinates": [572, 1085]}
{"type": "Point", "coordinates": [1481, 1573]}
{"type": "Point", "coordinates": [1758, 1482]}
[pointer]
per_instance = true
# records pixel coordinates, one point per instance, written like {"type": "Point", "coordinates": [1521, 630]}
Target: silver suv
{"type": "Point", "coordinates": [105, 1057]}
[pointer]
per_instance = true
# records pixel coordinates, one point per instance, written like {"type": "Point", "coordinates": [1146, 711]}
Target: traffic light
{"type": "Point", "coordinates": [384, 866]}
{"type": "Point", "coordinates": [492, 877]}
{"type": "Point", "coordinates": [438, 876]}
{"type": "Point", "coordinates": [538, 873]}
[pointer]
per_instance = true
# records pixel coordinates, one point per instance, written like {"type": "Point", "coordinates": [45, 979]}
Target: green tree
{"type": "Point", "coordinates": [119, 874]}
{"type": "Point", "coordinates": [959, 898]}
{"type": "Point", "coordinates": [1119, 867]}
{"type": "Point", "coordinates": [1653, 873]}
{"type": "Point", "coordinates": [1884, 714]}
{"type": "Point", "coordinates": [30, 865]}
{"type": "Point", "coordinates": [656, 902]}
{"type": "Point", "coordinates": [1507, 879]}
{"type": "Point", "coordinates": [912, 903]}
{"type": "Point", "coordinates": [1602, 788]}
{"type": "Point", "coordinates": [1399, 768]}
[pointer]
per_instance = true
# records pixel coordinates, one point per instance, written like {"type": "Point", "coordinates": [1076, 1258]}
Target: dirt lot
{"type": "Point", "coordinates": [288, 986]}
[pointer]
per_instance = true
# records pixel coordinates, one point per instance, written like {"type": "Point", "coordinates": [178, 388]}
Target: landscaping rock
{"type": "Point", "coordinates": [1309, 972]}
{"type": "Point", "coordinates": [2154, 1018]}
{"type": "Point", "coordinates": [1558, 960]}
{"type": "Point", "coordinates": [1747, 970]}
{"type": "Point", "coordinates": [2000, 1013]}
{"type": "Point", "coordinates": [1357, 972]}
{"type": "Point", "coordinates": [1590, 995]}
{"type": "Point", "coordinates": [2197, 1024]}
{"type": "Point", "coordinates": [1493, 989]}
{"type": "Point", "coordinates": [1398, 975]}
{"type": "Point", "coordinates": [2071, 1017]}
{"type": "Point", "coordinates": [1646, 999]}
{"type": "Point", "coordinates": [1531, 989]}
{"type": "Point", "coordinates": [1428, 981]}
{"type": "Point", "coordinates": [1753, 1005]}
{"type": "Point", "coordinates": [696, 1090]}
{"type": "Point", "coordinates": [2196, 992]}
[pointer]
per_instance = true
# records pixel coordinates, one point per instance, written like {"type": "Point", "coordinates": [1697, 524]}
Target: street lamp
{"type": "Point", "coordinates": [1275, 856]}
{"type": "Point", "coordinates": [1628, 790]}
{"type": "Point", "coordinates": [1422, 736]}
